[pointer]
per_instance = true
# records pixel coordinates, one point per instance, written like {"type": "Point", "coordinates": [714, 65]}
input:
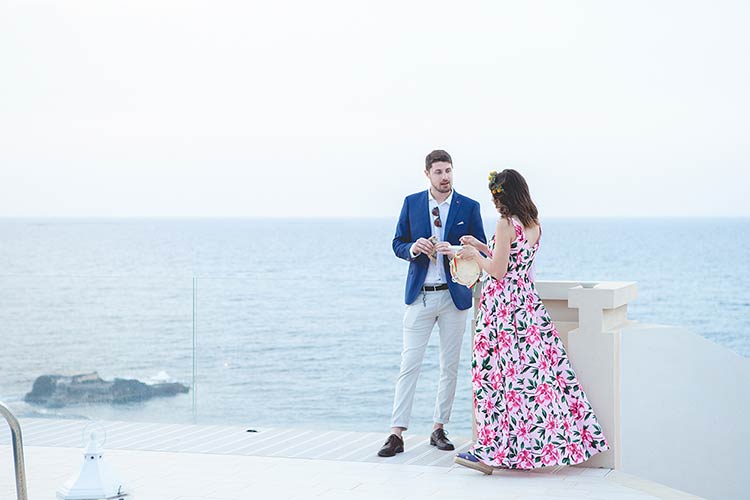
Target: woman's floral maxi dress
{"type": "Point", "coordinates": [530, 409]}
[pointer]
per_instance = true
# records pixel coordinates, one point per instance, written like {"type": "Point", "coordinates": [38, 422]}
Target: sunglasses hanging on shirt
{"type": "Point", "coordinates": [436, 213]}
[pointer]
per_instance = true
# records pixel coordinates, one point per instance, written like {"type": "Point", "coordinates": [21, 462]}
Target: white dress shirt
{"type": "Point", "coordinates": [436, 271]}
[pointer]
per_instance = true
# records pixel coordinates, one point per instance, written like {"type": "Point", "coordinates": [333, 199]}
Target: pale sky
{"type": "Point", "coordinates": [327, 108]}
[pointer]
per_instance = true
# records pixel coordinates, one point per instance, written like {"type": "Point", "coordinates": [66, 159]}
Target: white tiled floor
{"type": "Point", "coordinates": [153, 475]}
{"type": "Point", "coordinates": [210, 462]}
{"type": "Point", "coordinates": [235, 440]}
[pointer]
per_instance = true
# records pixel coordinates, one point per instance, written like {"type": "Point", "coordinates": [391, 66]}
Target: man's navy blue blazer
{"type": "Point", "coordinates": [415, 222]}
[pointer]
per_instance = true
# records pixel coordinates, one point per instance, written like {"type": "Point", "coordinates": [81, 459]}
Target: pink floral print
{"type": "Point", "coordinates": [530, 409]}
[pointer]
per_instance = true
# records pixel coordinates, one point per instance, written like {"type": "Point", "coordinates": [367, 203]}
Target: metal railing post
{"type": "Point", "coordinates": [15, 431]}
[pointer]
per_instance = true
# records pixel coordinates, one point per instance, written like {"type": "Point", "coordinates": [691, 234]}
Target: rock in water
{"type": "Point", "coordinates": [57, 391]}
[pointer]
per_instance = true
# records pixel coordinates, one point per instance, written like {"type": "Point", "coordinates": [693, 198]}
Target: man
{"type": "Point", "coordinates": [431, 296]}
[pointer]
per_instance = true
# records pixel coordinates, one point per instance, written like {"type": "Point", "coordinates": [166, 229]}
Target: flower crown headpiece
{"type": "Point", "coordinates": [494, 189]}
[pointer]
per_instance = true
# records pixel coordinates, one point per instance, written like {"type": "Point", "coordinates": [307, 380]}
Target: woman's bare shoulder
{"type": "Point", "coordinates": [504, 229]}
{"type": "Point", "coordinates": [504, 221]}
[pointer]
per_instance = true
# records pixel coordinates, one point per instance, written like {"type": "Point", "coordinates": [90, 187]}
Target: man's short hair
{"type": "Point", "coordinates": [435, 156]}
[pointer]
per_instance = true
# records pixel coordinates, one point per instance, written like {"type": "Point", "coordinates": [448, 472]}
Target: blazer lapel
{"type": "Point", "coordinates": [456, 206]}
{"type": "Point", "coordinates": [425, 218]}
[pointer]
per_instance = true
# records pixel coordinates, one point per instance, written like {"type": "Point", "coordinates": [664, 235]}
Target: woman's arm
{"type": "Point", "coordinates": [498, 264]}
{"type": "Point", "coordinates": [476, 243]}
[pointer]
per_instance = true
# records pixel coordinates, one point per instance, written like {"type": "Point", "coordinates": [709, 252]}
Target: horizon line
{"type": "Point", "coordinates": [347, 217]}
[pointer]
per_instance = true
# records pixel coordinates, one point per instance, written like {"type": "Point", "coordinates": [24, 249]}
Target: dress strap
{"type": "Point", "coordinates": [520, 235]}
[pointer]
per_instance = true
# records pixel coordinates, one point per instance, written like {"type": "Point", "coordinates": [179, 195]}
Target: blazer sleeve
{"type": "Point", "coordinates": [402, 241]}
{"type": "Point", "coordinates": [477, 228]}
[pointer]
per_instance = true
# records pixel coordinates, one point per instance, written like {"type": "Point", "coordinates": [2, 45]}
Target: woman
{"type": "Point", "coordinates": [530, 409]}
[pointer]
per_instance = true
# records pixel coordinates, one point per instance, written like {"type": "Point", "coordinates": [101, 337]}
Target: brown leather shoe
{"type": "Point", "coordinates": [393, 445]}
{"type": "Point", "coordinates": [438, 438]}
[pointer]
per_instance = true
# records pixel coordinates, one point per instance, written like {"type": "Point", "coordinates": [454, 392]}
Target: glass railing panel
{"type": "Point", "coordinates": [322, 354]}
{"type": "Point", "coordinates": [90, 331]}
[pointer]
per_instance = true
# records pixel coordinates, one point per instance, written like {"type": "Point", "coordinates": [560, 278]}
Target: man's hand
{"type": "Point", "coordinates": [444, 248]}
{"type": "Point", "coordinates": [422, 245]}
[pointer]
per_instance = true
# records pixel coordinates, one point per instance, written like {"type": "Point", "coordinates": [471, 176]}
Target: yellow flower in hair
{"type": "Point", "coordinates": [494, 189]}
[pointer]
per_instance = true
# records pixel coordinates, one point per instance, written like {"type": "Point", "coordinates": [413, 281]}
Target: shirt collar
{"type": "Point", "coordinates": [448, 200]}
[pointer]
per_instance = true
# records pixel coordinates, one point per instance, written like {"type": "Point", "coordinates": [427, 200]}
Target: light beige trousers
{"type": "Point", "coordinates": [419, 320]}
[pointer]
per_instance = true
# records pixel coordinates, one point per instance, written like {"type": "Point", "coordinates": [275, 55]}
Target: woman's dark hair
{"type": "Point", "coordinates": [436, 156]}
{"type": "Point", "coordinates": [511, 196]}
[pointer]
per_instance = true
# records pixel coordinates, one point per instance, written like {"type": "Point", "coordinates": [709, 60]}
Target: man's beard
{"type": "Point", "coordinates": [440, 188]}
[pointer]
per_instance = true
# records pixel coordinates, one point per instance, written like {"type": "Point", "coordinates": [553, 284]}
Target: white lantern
{"type": "Point", "coordinates": [95, 481]}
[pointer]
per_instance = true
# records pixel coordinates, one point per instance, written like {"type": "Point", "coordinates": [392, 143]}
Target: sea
{"type": "Point", "coordinates": [297, 322]}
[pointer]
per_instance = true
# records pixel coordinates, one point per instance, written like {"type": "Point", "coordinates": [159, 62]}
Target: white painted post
{"type": "Point", "coordinates": [594, 351]}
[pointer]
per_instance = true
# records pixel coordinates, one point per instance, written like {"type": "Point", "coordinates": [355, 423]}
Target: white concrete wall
{"type": "Point", "coordinates": [684, 412]}
{"type": "Point", "coordinates": [593, 346]}
{"type": "Point", "coordinates": [674, 406]}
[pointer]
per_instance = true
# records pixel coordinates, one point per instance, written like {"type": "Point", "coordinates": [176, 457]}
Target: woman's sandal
{"type": "Point", "coordinates": [472, 462]}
